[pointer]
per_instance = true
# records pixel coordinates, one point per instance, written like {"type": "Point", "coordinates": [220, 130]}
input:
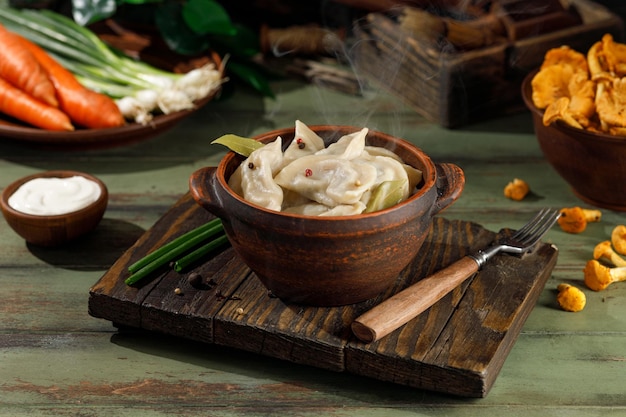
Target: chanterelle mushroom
{"type": "Point", "coordinates": [550, 84]}
{"type": "Point", "coordinates": [570, 298]}
{"type": "Point", "coordinates": [516, 189]}
{"type": "Point", "coordinates": [575, 219]}
{"type": "Point", "coordinates": [582, 97]}
{"type": "Point", "coordinates": [577, 106]}
{"type": "Point", "coordinates": [564, 55]}
{"type": "Point", "coordinates": [611, 102]}
{"type": "Point", "coordinates": [604, 251]}
{"type": "Point", "coordinates": [596, 63]}
{"type": "Point", "coordinates": [560, 110]}
{"type": "Point", "coordinates": [618, 239]}
{"type": "Point", "coordinates": [613, 55]}
{"type": "Point", "coordinates": [598, 276]}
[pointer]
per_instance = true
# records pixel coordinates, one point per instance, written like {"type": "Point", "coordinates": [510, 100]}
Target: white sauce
{"type": "Point", "coordinates": [52, 196]}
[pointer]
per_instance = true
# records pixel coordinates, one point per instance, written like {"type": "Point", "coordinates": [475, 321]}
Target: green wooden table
{"type": "Point", "coordinates": [55, 359]}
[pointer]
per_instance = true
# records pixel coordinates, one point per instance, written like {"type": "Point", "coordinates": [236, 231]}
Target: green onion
{"type": "Point", "coordinates": [214, 226]}
{"type": "Point", "coordinates": [195, 256]}
{"type": "Point", "coordinates": [79, 49]}
{"type": "Point", "coordinates": [103, 69]}
{"type": "Point", "coordinates": [173, 250]}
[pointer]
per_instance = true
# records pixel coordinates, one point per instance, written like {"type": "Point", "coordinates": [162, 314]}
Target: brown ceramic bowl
{"type": "Point", "coordinates": [593, 164]}
{"type": "Point", "coordinates": [57, 229]}
{"type": "Point", "coordinates": [328, 261]}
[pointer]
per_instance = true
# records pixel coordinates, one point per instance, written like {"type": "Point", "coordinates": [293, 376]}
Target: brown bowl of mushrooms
{"type": "Point", "coordinates": [574, 100]}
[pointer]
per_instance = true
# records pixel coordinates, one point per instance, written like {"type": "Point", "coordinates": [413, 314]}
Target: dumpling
{"type": "Point", "coordinates": [378, 151]}
{"type": "Point", "coordinates": [349, 146]}
{"type": "Point", "coordinates": [317, 209]}
{"type": "Point", "coordinates": [329, 181]}
{"type": "Point", "coordinates": [311, 208]}
{"type": "Point", "coordinates": [305, 142]}
{"type": "Point", "coordinates": [234, 181]}
{"type": "Point", "coordinates": [345, 210]}
{"type": "Point", "coordinates": [257, 176]}
{"type": "Point", "coordinates": [293, 199]}
{"type": "Point", "coordinates": [387, 169]}
{"type": "Point", "coordinates": [414, 175]}
{"type": "Point", "coordinates": [311, 179]}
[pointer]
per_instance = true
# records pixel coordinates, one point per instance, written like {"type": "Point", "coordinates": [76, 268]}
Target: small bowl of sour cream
{"type": "Point", "coordinates": [54, 207]}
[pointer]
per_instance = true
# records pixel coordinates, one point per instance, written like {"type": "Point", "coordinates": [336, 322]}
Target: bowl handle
{"type": "Point", "coordinates": [450, 184]}
{"type": "Point", "coordinates": [202, 185]}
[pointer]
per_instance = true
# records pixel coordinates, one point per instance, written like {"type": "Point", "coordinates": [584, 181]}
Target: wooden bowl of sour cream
{"type": "Point", "coordinates": [54, 207]}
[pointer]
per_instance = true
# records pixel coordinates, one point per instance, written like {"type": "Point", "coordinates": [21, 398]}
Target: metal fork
{"type": "Point", "coordinates": [410, 302]}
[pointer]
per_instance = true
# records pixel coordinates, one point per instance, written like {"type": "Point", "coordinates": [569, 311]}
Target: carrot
{"type": "Point", "coordinates": [85, 107]}
{"type": "Point", "coordinates": [16, 103]}
{"type": "Point", "coordinates": [19, 67]}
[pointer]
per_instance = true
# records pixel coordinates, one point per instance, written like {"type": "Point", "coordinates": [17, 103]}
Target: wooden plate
{"type": "Point", "coordinates": [97, 138]}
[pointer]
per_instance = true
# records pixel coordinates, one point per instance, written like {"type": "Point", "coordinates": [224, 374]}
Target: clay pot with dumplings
{"type": "Point", "coordinates": [329, 261]}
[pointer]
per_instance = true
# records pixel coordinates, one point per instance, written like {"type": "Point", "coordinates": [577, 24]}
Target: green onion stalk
{"type": "Point", "coordinates": [185, 250]}
{"type": "Point", "coordinates": [140, 90]}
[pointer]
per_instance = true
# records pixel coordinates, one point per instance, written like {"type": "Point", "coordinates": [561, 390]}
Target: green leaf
{"type": "Point", "coordinates": [176, 33]}
{"type": "Point", "coordinates": [243, 43]}
{"type": "Point", "coordinates": [85, 12]}
{"type": "Point", "coordinates": [251, 76]}
{"type": "Point", "coordinates": [207, 17]}
{"type": "Point", "coordinates": [242, 146]}
{"type": "Point", "coordinates": [387, 194]}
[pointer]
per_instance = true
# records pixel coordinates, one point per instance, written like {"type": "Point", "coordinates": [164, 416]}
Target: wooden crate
{"type": "Point", "coordinates": [455, 89]}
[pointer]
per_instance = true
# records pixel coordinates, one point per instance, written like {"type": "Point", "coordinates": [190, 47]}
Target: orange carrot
{"type": "Point", "coordinates": [19, 67]}
{"type": "Point", "coordinates": [18, 104]}
{"type": "Point", "coordinates": [85, 107]}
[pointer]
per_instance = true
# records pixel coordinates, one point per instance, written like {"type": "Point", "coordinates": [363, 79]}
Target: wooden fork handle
{"type": "Point", "coordinates": [410, 302]}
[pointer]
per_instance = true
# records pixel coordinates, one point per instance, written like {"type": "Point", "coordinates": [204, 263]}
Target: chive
{"type": "Point", "coordinates": [212, 227]}
{"type": "Point", "coordinates": [170, 251]}
{"type": "Point", "coordinates": [199, 253]}
{"type": "Point", "coordinates": [144, 272]}
{"type": "Point", "coordinates": [161, 257]}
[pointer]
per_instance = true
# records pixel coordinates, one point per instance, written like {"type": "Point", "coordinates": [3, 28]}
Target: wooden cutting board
{"type": "Point", "coordinates": [458, 346]}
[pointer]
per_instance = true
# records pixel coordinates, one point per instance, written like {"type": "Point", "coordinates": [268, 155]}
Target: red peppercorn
{"type": "Point", "coordinates": [308, 172]}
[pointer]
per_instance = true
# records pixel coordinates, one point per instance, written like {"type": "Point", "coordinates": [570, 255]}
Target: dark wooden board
{"type": "Point", "coordinates": [458, 346]}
